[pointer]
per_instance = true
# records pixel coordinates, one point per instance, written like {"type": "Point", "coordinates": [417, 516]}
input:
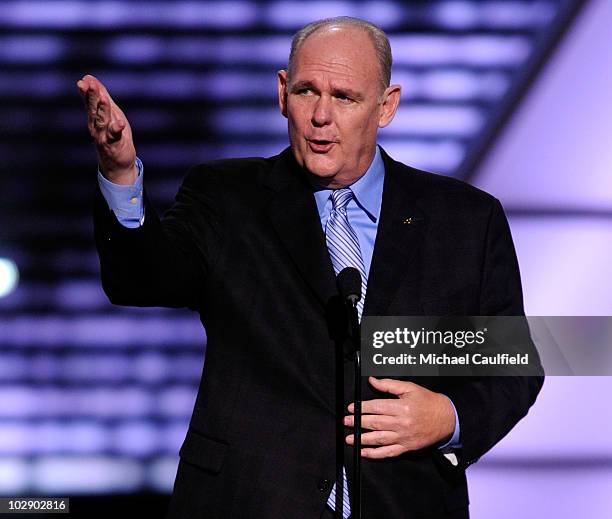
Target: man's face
{"type": "Point", "coordinates": [332, 99]}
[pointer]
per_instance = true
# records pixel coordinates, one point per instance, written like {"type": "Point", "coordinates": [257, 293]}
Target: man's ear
{"type": "Point", "coordinates": [390, 102]}
{"type": "Point", "coordinates": [282, 91]}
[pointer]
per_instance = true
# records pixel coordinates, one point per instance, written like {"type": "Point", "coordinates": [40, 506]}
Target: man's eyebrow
{"type": "Point", "coordinates": [305, 83]}
{"type": "Point", "coordinates": [301, 84]}
{"type": "Point", "coordinates": [348, 92]}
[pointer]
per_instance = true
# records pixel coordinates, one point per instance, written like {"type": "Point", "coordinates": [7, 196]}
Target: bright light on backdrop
{"type": "Point", "coordinates": [9, 276]}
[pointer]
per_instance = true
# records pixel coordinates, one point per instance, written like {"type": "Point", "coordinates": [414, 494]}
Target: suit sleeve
{"type": "Point", "coordinates": [164, 262]}
{"type": "Point", "coordinates": [489, 407]}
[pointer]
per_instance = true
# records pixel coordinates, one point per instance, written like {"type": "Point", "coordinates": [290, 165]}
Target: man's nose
{"type": "Point", "coordinates": [321, 114]}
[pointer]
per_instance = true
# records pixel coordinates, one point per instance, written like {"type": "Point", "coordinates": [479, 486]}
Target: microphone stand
{"type": "Point", "coordinates": [356, 339]}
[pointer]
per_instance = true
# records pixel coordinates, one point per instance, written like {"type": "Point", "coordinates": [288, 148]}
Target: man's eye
{"type": "Point", "coordinates": [304, 91]}
{"type": "Point", "coordinates": [344, 98]}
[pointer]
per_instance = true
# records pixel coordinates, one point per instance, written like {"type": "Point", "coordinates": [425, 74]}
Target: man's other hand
{"type": "Point", "coordinates": [110, 131]}
{"type": "Point", "coordinates": [416, 419]}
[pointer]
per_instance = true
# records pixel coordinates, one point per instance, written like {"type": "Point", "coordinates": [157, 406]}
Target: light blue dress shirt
{"type": "Point", "coordinates": [125, 200]}
{"type": "Point", "coordinates": [363, 213]}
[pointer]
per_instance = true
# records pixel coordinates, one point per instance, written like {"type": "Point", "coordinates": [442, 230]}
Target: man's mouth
{"type": "Point", "coordinates": [320, 145]}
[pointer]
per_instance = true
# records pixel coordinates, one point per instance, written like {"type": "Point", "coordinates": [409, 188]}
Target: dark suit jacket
{"type": "Point", "coordinates": [243, 246]}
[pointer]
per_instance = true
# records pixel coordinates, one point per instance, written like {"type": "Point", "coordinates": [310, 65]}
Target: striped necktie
{"type": "Point", "coordinates": [344, 251]}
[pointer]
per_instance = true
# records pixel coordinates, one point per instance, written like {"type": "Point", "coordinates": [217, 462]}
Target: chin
{"type": "Point", "coordinates": [321, 167]}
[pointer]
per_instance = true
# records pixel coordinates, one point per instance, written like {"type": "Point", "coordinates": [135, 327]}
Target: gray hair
{"type": "Point", "coordinates": [377, 35]}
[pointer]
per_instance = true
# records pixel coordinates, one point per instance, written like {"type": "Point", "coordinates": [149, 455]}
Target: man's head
{"type": "Point", "coordinates": [336, 94]}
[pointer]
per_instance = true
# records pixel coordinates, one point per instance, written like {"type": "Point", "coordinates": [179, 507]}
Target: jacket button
{"type": "Point", "coordinates": [323, 485]}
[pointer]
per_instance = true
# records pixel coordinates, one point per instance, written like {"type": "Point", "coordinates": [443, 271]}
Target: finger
{"type": "Point", "coordinates": [103, 92]}
{"type": "Point", "coordinates": [115, 129]}
{"type": "Point", "coordinates": [384, 406]}
{"type": "Point", "coordinates": [375, 438]}
{"type": "Point", "coordinates": [93, 91]}
{"type": "Point", "coordinates": [92, 82]}
{"type": "Point", "coordinates": [103, 112]}
{"type": "Point", "coordinates": [82, 87]}
{"type": "Point", "coordinates": [91, 103]}
{"type": "Point", "coordinates": [373, 422]}
{"type": "Point", "coordinates": [109, 112]}
{"type": "Point", "coordinates": [387, 451]}
{"type": "Point", "coordinates": [88, 95]}
{"type": "Point", "coordinates": [389, 385]}
{"type": "Point", "coordinates": [100, 117]}
{"type": "Point", "coordinates": [85, 84]}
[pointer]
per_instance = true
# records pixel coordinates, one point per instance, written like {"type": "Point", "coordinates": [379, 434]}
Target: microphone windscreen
{"type": "Point", "coordinates": [349, 283]}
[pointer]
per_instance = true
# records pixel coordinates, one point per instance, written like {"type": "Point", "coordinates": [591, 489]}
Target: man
{"type": "Point", "coordinates": [254, 245]}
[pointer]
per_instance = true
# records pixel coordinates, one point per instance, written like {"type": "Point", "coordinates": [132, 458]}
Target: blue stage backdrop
{"type": "Point", "coordinates": [96, 399]}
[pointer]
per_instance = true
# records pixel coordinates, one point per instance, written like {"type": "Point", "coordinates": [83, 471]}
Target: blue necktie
{"type": "Point", "coordinates": [344, 251]}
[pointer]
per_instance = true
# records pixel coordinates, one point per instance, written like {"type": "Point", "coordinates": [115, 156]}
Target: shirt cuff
{"type": "Point", "coordinates": [453, 443]}
{"type": "Point", "coordinates": [125, 200]}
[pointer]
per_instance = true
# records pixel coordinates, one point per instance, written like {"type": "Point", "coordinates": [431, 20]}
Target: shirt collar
{"type": "Point", "coordinates": [367, 190]}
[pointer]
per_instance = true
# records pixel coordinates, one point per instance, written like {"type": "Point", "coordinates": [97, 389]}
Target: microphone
{"type": "Point", "coordinates": [349, 284]}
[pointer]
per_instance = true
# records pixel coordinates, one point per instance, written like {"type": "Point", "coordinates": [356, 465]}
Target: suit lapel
{"type": "Point", "coordinates": [398, 239]}
{"type": "Point", "coordinates": [293, 214]}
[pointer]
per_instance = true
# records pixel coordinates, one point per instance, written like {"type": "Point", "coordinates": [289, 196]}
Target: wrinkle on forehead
{"type": "Point", "coordinates": [334, 68]}
{"type": "Point", "coordinates": [329, 63]}
{"type": "Point", "coordinates": [336, 52]}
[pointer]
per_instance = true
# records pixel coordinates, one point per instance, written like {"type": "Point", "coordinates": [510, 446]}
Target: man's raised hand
{"type": "Point", "coordinates": [110, 131]}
